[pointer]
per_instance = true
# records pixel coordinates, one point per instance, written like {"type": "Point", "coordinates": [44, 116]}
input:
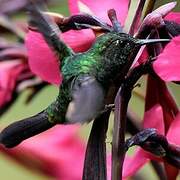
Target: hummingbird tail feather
{"type": "Point", "coordinates": [18, 131]}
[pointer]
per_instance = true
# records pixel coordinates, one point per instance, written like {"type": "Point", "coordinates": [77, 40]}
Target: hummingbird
{"type": "Point", "coordinates": [87, 77]}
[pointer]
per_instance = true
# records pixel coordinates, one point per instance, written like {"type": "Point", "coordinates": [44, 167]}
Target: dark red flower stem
{"type": "Point", "coordinates": [121, 103]}
{"type": "Point", "coordinates": [149, 7]}
{"type": "Point", "coordinates": [119, 136]}
{"type": "Point", "coordinates": [137, 16]}
{"type": "Point", "coordinates": [159, 169]}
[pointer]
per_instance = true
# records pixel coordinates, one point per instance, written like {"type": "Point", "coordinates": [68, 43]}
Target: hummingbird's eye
{"type": "Point", "coordinates": [122, 43]}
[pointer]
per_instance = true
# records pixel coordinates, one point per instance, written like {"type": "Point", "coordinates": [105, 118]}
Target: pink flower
{"type": "Point", "coordinates": [167, 64]}
{"type": "Point", "coordinates": [100, 8]}
{"type": "Point", "coordinates": [57, 152]}
{"type": "Point", "coordinates": [161, 113]}
{"type": "Point", "coordinates": [173, 16]}
{"type": "Point", "coordinates": [9, 72]}
{"type": "Point", "coordinates": [42, 60]}
{"type": "Point", "coordinates": [142, 157]}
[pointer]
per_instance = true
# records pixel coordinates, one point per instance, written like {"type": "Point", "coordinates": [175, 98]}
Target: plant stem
{"type": "Point", "coordinates": [149, 5]}
{"type": "Point", "coordinates": [119, 136]}
{"type": "Point", "coordinates": [159, 170]}
{"type": "Point", "coordinates": [137, 17]}
{"type": "Point", "coordinates": [137, 12]}
{"type": "Point", "coordinates": [121, 103]}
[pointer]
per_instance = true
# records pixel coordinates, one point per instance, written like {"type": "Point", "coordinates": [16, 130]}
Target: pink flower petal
{"type": "Point", "coordinates": [153, 118]}
{"type": "Point", "coordinates": [57, 152]}
{"type": "Point", "coordinates": [155, 18]}
{"type": "Point", "coordinates": [100, 8]}
{"type": "Point", "coordinates": [142, 55]}
{"type": "Point", "coordinates": [133, 164]}
{"type": "Point", "coordinates": [79, 41]}
{"type": "Point", "coordinates": [42, 59]}
{"type": "Point", "coordinates": [9, 71]}
{"type": "Point", "coordinates": [171, 172]}
{"type": "Point", "coordinates": [173, 16]}
{"type": "Point", "coordinates": [162, 96]}
{"type": "Point", "coordinates": [167, 64]}
{"type": "Point", "coordinates": [174, 131]}
{"type": "Point", "coordinates": [165, 9]}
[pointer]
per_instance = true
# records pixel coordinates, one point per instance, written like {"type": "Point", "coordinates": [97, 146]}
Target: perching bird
{"type": "Point", "coordinates": [86, 78]}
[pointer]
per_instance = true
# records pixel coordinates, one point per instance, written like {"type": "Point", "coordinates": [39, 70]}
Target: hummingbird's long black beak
{"type": "Point", "coordinates": [151, 41]}
{"type": "Point", "coordinates": [18, 131]}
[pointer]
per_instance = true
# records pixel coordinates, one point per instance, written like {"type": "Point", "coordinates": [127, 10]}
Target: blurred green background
{"type": "Point", "coordinates": [11, 170]}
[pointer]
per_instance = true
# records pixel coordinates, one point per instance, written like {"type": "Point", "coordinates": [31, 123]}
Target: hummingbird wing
{"type": "Point", "coordinates": [49, 29]}
{"type": "Point", "coordinates": [87, 100]}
